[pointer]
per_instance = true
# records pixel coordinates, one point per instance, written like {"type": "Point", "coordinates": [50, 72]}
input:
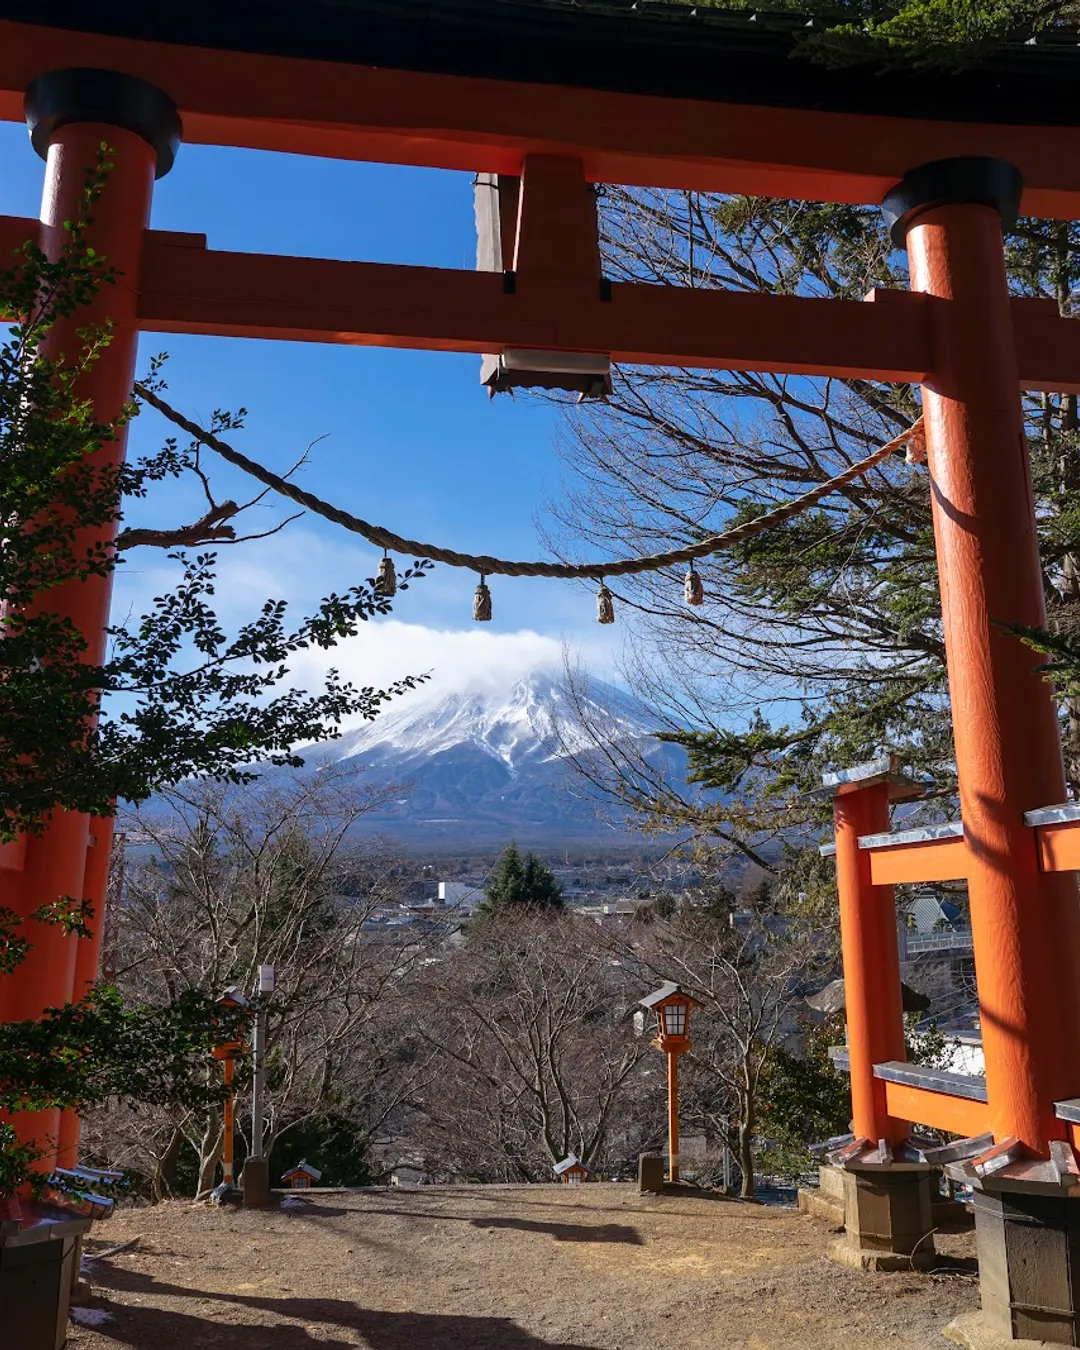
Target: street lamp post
{"type": "Point", "coordinates": [672, 1007]}
{"type": "Point", "coordinates": [256, 1166]}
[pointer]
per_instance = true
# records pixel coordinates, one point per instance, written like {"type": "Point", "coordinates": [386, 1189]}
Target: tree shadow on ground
{"type": "Point", "coordinates": [303, 1207]}
{"type": "Point", "coordinates": [568, 1232]}
{"type": "Point", "coordinates": [144, 1328]}
{"type": "Point", "coordinates": [564, 1232]}
{"type": "Point", "coordinates": [324, 1216]}
{"type": "Point", "coordinates": [653, 1204]}
{"type": "Point", "coordinates": [561, 1232]}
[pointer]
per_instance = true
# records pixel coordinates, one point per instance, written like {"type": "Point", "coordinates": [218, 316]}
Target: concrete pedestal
{"type": "Point", "coordinates": [255, 1180]}
{"type": "Point", "coordinates": [1029, 1264]}
{"type": "Point", "coordinates": [651, 1173]}
{"type": "Point", "coordinates": [826, 1199]}
{"type": "Point", "coordinates": [887, 1214]}
{"type": "Point", "coordinates": [970, 1332]}
{"type": "Point", "coordinates": [37, 1255]}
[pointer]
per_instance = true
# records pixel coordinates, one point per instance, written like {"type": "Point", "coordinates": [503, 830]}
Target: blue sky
{"type": "Point", "coordinates": [412, 440]}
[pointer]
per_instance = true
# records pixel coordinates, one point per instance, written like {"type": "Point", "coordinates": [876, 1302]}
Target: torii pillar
{"type": "Point", "coordinates": [887, 1185]}
{"type": "Point", "coordinates": [71, 114]}
{"type": "Point", "coordinates": [1025, 922]}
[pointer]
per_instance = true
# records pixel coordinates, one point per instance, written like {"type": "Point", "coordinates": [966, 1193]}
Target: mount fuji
{"type": "Point", "coordinates": [490, 762]}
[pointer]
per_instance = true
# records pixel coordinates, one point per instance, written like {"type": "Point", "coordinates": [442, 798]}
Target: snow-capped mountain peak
{"type": "Point", "coordinates": [527, 720]}
{"type": "Point", "coordinates": [489, 761]}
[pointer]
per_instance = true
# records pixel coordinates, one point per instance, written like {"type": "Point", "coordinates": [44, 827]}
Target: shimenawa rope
{"type": "Point", "coordinates": [488, 566]}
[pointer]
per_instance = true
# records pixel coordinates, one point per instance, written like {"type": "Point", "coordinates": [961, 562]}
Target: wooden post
{"type": "Point", "coordinates": [673, 1114]}
{"type": "Point", "coordinates": [229, 1124]}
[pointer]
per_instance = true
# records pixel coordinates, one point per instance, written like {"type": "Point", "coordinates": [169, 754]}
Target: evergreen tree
{"type": "Point", "coordinates": [505, 887]}
{"type": "Point", "coordinates": [541, 889]}
{"type": "Point", "coordinates": [915, 32]}
{"type": "Point", "coordinates": [520, 883]}
{"type": "Point", "coordinates": [803, 1098]}
{"type": "Point", "coordinates": [820, 641]}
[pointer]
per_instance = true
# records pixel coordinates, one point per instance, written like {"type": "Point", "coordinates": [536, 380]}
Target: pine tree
{"type": "Point", "coordinates": [915, 32]}
{"type": "Point", "coordinates": [505, 886]}
{"type": "Point", "coordinates": [541, 889]}
{"type": "Point", "coordinates": [520, 883]}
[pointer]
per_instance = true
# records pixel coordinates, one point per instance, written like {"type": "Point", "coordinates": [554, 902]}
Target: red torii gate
{"type": "Point", "coordinates": [354, 86]}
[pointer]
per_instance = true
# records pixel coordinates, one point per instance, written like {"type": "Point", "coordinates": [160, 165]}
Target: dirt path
{"type": "Point", "coordinates": [523, 1268]}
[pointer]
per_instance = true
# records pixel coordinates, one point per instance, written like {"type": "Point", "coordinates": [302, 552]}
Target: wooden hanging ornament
{"type": "Point", "coordinates": [386, 581]}
{"type": "Point", "coordinates": [481, 604]}
{"type": "Point", "coordinates": [693, 590]}
{"type": "Point", "coordinates": [605, 605]}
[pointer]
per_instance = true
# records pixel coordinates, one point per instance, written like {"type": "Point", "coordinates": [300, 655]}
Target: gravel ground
{"type": "Point", "coordinates": [598, 1267]}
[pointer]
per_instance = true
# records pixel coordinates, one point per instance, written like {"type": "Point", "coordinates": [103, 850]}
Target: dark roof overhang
{"type": "Point", "coordinates": [669, 50]}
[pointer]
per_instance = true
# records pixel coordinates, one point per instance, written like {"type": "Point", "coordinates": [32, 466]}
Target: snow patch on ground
{"type": "Point", "coordinates": [91, 1317]}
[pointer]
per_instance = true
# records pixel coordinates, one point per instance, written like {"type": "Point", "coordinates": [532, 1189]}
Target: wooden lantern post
{"type": "Point", "coordinates": [226, 1052]}
{"type": "Point", "coordinates": [672, 1007]}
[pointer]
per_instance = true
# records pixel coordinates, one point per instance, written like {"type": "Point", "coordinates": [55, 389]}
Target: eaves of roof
{"type": "Point", "coordinates": [664, 49]}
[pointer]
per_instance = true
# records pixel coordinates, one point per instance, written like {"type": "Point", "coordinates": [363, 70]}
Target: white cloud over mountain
{"type": "Point", "coordinates": [301, 565]}
{"type": "Point", "coordinates": [456, 659]}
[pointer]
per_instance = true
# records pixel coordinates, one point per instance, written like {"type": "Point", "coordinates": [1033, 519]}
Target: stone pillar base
{"type": "Point", "coordinates": [970, 1331]}
{"type": "Point", "coordinates": [1029, 1262]}
{"type": "Point", "coordinates": [826, 1200]}
{"type": "Point", "coordinates": [887, 1215]}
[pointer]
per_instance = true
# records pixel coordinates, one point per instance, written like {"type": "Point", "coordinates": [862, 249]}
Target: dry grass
{"type": "Point", "coordinates": [593, 1268]}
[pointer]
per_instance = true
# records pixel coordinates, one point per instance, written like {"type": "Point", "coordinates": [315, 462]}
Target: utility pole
{"type": "Point", "coordinates": [256, 1178]}
{"type": "Point", "coordinates": [258, 1086]}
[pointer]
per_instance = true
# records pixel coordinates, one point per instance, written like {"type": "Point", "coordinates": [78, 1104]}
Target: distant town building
{"type": "Point", "coordinates": [621, 909]}
{"type": "Point", "coordinates": [406, 1175]}
{"type": "Point", "coordinates": [928, 912]}
{"type": "Point", "coordinates": [460, 894]}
